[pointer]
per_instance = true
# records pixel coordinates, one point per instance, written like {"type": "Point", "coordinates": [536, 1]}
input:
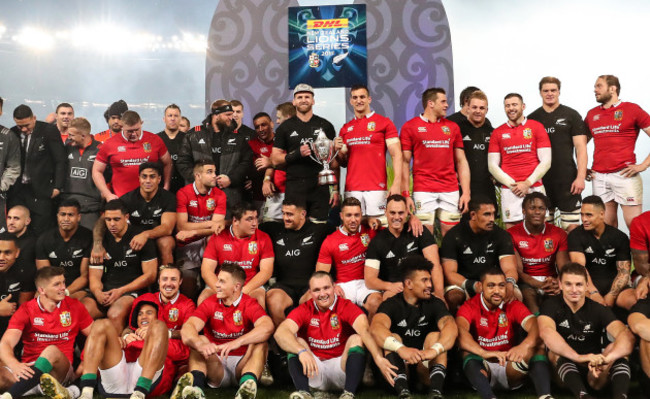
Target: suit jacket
{"type": "Point", "coordinates": [44, 160]}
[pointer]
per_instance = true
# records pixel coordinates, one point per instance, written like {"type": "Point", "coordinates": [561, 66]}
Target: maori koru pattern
{"type": "Point", "coordinates": [409, 50]}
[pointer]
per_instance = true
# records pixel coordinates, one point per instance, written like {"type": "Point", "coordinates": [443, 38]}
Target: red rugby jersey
{"type": "Point", "coordinates": [615, 131]}
{"type": "Point", "coordinates": [366, 141]}
{"type": "Point", "coordinates": [432, 145]}
{"type": "Point", "coordinates": [326, 332]}
{"type": "Point", "coordinates": [246, 252]}
{"type": "Point", "coordinates": [346, 253]}
{"type": "Point", "coordinates": [518, 148]}
{"type": "Point", "coordinates": [538, 252]}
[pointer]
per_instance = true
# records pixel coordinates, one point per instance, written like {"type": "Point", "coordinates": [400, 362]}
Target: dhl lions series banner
{"type": "Point", "coordinates": [327, 45]}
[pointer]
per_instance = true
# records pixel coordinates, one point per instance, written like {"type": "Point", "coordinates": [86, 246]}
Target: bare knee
{"type": "Point", "coordinates": [354, 340]}
{"type": "Point", "coordinates": [372, 302]}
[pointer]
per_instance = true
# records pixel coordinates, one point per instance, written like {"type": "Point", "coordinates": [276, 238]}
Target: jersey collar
{"type": "Point", "coordinates": [485, 306]}
{"type": "Point", "coordinates": [196, 190]}
{"type": "Point", "coordinates": [336, 298]}
{"type": "Point", "coordinates": [172, 301]}
{"type": "Point", "coordinates": [345, 233]}
{"type": "Point", "coordinates": [236, 302]}
{"type": "Point", "coordinates": [613, 105]}
{"type": "Point", "coordinates": [366, 116]}
{"type": "Point", "coordinates": [38, 301]}
{"type": "Point", "coordinates": [428, 121]}
{"type": "Point", "coordinates": [127, 140]}
{"type": "Point", "coordinates": [522, 123]}
{"type": "Point", "coordinates": [529, 233]}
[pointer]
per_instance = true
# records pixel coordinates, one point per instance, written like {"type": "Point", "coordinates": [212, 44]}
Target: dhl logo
{"type": "Point", "coordinates": [327, 23]}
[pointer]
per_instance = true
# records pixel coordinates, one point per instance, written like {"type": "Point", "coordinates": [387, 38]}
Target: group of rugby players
{"type": "Point", "coordinates": [85, 301]}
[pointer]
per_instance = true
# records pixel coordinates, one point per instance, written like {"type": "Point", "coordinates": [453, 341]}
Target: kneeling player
{"type": "Point", "coordinates": [233, 347]}
{"type": "Point", "coordinates": [132, 365]}
{"type": "Point", "coordinates": [48, 326]}
{"type": "Point", "coordinates": [487, 328]}
{"type": "Point", "coordinates": [415, 326]}
{"type": "Point", "coordinates": [325, 339]}
{"type": "Point", "coordinates": [572, 327]}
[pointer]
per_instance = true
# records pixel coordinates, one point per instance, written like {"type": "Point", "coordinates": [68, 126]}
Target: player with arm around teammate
{"type": "Point", "coordinates": [326, 338]}
{"type": "Point", "coordinates": [415, 327]}
{"type": "Point", "coordinates": [572, 327]}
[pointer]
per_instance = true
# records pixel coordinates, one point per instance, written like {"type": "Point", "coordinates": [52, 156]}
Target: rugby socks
{"type": "Point", "coordinates": [199, 378]}
{"type": "Point", "coordinates": [437, 376]}
{"type": "Point", "coordinates": [354, 368]}
{"type": "Point", "coordinates": [472, 368]}
{"type": "Point", "coordinates": [400, 381]}
{"type": "Point", "coordinates": [40, 367]}
{"type": "Point", "coordinates": [143, 385]}
{"type": "Point", "coordinates": [540, 374]}
{"type": "Point", "coordinates": [570, 376]}
{"type": "Point", "coordinates": [620, 375]}
{"type": "Point", "coordinates": [300, 380]}
{"type": "Point", "coordinates": [248, 376]}
{"type": "Point", "coordinates": [644, 381]}
{"type": "Point", "coordinates": [87, 384]}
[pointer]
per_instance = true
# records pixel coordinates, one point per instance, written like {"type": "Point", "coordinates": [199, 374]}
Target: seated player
{"type": "Point", "coordinates": [48, 326]}
{"type": "Point", "coordinates": [639, 244]}
{"type": "Point", "coordinates": [639, 322]}
{"type": "Point", "coordinates": [573, 327]}
{"type": "Point", "coordinates": [67, 246]}
{"type": "Point", "coordinates": [344, 251]}
{"type": "Point", "coordinates": [244, 244]}
{"type": "Point", "coordinates": [16, 287]}
{"type": "Point", "coordinates": [174, 309]}
{"type": "Point", "coordinates": [200, 212]}
{"type": "Point", "coordinates": [391, 245]}
{"type": "Point", "coordinates": [326, 338]}
{"type": "Point", "coordinates": [233, 347]}
{"type": "Point", "coordinates": [19, 224]}
{"type": "Point", "coordinates": [296, 243]}
{"type": "Point", "coordinates": [415, 327]}
{"type": "Point", "coordinates": [605, 251]}
{"type": "Point", "coordinates": [494, 357]}
{"type": "Point", "coordinates": [128, 363]}
{"type": "Point", "coordinates": [124, 274]}
{"type": "Point", "coordinates": [541, 250]}
{"type": "Point", "coordinates": [474, 245]}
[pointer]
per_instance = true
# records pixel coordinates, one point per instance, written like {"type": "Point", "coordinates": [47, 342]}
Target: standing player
{"type": "Point", "coordinates": [296, 244]}
{"type": "Point", "coordinates": [518, 157]}
{"type": "Point", "coordinates": [261, 173]}
{"type": "Point", "coordinates": [463, 101]}
{"type": "Point", "coordinates": [291, 148]}
{"type": "Point", "coordinates": [344, 252]}
{"type": "Point", "coordinates": [605, 252]}
{"type": "Point", "coordinates": [326, 338]}
{"type": "Point", "coordinates": [124, 274]}
{"type": "Point", "coordinates": [172, 136]}
{"type": "Point", "coordinates": [362, 145]}
{"type": "Point", "coordinates": [573, 326]}
{"type": "Point", "coordinates": [64, 115]}
{"type": "Point", "coordinates": [48, 327]}
{"type": "Point", "coordinates": [541, 250]}
{"type": "Point", "coordinates": [200, 212]}
{"type": "Point", "coordinates": [275, 179]}
{"type": "Point", "coordinates": [566, 130]}
{"type": "Point", "coordinates": [67, 246]}
{"type": "Point", "coordinates": [128, 363]}
{"type": "Point", "coordinates": [387, 249]}
{"type": "Point", "coordinates": [10, 165]}
{"type": "Point", "coordinates": [436, 146]}
{"type": "Point", "coordinates": [81, 152]}
{"type": "Point", "coordinates": [232, 349]}
{"type": "Point", "coordinates": [125, 153]}
{"type": "Point", "coordinates": [488, 327]}
{"type": "Point", "coordinates": [614, 126]}
{"type": "Point", "coordinates": [247, 246]}
{"type": "Point", "coordinates": [113, 116]}
{"type": "Point", "coordinates": [473, 246]}
{"type": "Point", "coordinates": [415, 327]}
{"type": "Point", "coordinates": [476, 130]}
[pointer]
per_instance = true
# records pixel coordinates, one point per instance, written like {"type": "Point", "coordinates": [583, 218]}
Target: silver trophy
{"type": "Point", "coordinates": [323, 153]}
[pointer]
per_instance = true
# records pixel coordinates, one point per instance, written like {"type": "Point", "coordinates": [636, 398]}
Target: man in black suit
{"type": "Point", "coordinates": [43, 168]}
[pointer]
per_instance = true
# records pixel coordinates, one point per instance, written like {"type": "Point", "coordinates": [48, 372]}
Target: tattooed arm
{"type": "Point", "coordinates": [620, 281]}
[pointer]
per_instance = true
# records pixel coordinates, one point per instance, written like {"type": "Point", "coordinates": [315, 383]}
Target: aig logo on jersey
{"type": "Point", "coordinates": [528, 133]}
{"type": "Point", "coordinates": [210, 204]}
{"type": "Point", "coordinates": [173, 314]}
{"type": "Point", "coordinates": [236, 317]}
{"type": "Point", "coordinates": [334, 322]}
{"type": "Point", "coordinates": [252, 247]}
{"type": "Point", "coordinates": [65, 318]}
{"type": "Point", "coordinates": [78, 173]}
